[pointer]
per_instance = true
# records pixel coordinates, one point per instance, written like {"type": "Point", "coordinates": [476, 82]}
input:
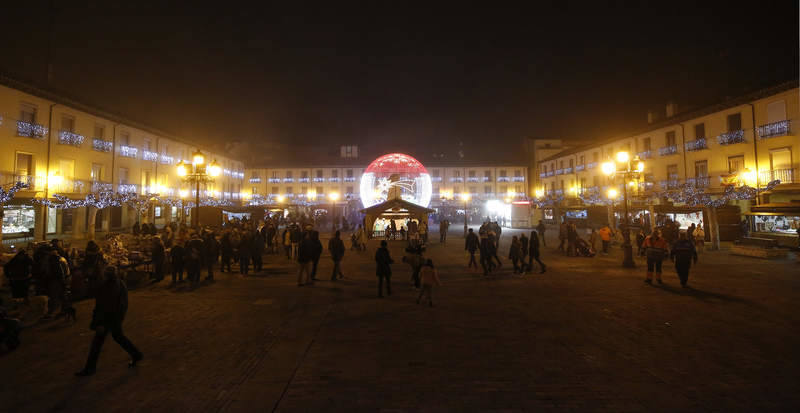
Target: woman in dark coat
{"type": "Point", "coordinates": [383, 269]}
{"type": "Point", "coordinates": [316, 252]}
{"type": "Point", "coordinates": [111, 304]}
{"type": "Point", "coordinates": [159, 259]}
{"type": "Point", "coordinates": [533, 251]}
{"type": "Point", "coordinates": [227, 251]}
{"type": "Point", "coordinates": [683, 253]}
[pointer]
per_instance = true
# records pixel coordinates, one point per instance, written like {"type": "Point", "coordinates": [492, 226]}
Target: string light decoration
{"type": "Point", "coordinates": [31, 130]}
{"type": "Point", "coordinates": [128, 151]}
{"type": "Point", "coordinates": [8, 194]}
{"type": "Point", "coordinates": [101, 200]}
{"type": "Point", "coordinates": [69, 138]}
{"type": "Point", "coordinates": [101, 145]}
{"type": "Point", "coordinates": [149, 156]}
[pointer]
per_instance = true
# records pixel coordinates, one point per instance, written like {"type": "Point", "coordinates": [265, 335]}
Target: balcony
{"type": "Point", "coordinates": [473, 179]}
{"type": "Point", "coordinates": [350, 179]}
{"type": "Point", "coordinates": [149, 156]}
{"type": "Point", "coordinates": [567, 170]}
{"type": "Point", "coordinates": [487, 179]}
{"type": "Point", "coordinates": [559, 172]}
{"type": "Point", "coordinates": [69, 138]}
{"type": "Point", "coordinates": [542, 175]}
{"type": "Point", "coordinates": [645, 154]}
{"type": "Point", "coordinates": [166, 159]}
{"type": "Point", "coordinates": [303, 180]}
{"type": "Point", "coordinates": [274, 180]}
{"type": "Point", "coordinates": [319, 179]}
{"type": "Point", "coordinates": [457, 179]}
{"type": "Point", "coordinates": [128, 151]}
{"type": "Point", "coordinates": [668, 150]}
{"type": "Point", "coordinates": [436, 179]}
{"type": "Point", "coordinates": [786, 176]}
{"type": "Point", "coordinates": [696, 145]}
{"type": "Point", "coordinates": [550, 173]}
{"type": "Point", "coordinates": [670, 184]}
{"type": "Point", "coordinates": [98, 186]}
{"type": "Point", "coordinates": [255, 180]}
{"type": "Point", "coordinates": [591, 165]}
{"type": "Point", "coordinates": [333, 179]}
{"type": "Point", "coordinates": [699, 181]}
{"type": "Point", "coordinates": [101, 145]}
{"type": "Point", "coordinates": [288, 179]}
{"type": "Point", "coordinates": [731, 138]}
{"type": "Point", "coordinates": [9, 179]}
{"type": "Point", "coordinates": [31, 130]}
{"type": "Point", "coordinates": [775, 129]}
{"type": "Point", "coordinates": [579, 168]}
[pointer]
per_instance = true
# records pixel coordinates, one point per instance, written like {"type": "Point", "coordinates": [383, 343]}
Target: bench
{"type": "Point", "coordinates": [757, 247]}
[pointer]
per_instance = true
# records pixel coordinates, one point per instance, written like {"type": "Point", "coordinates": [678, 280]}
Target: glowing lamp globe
{"type": "Point", "coordinates": [395, 175]}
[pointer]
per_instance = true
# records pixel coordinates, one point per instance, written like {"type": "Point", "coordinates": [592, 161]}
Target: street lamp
{"type": "Point", "coordinates": [465, 196]}
{"type": "Point", "coordinates": [627, 169]}
{"type": "Point", "coordinates": [334, 196]}
{"type": "Point", "coordinates": [198, 172]}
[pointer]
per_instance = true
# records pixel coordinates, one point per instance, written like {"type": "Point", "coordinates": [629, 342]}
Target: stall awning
{"type": "Point", "coordinates": [787, 208]}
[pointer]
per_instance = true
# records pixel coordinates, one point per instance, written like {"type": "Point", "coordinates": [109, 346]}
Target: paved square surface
{"type": "Point", "coordinates": [586, 335]}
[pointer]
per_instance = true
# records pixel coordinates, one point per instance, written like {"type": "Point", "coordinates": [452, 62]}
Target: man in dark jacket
{"type": "Point", "coordinates": [159, 259]}
{"type": "Point", "coordinates": [471, 244]}
{"type": "Point", "coordinates": [383, 269]}
{"type": "Point", "coordinates": [211, 249]}
{"type": "Point", "coordinates": [533, 252]}
{"type": "Point", "coordinates": [296, 237]}
{"type": "Point", "coordinates": [176, 254]}
{"type": "Point", "coordinates": [316, 252]}
{"type": "Point", "coordinates": [485, 255]}
{"type": "Point", "coordinates": [336, 248]}
{"type": "Point", "coordinates": [683, 253]}
{"type": "Point", "coordinates": [245, 252]}
{"type": "Point", "coordinates": [194, 258]}
{"type": "Point", "coordinates": [111, 304]}
{"type": "Point", "coordinates": [258, 251]}
{"type": "Point", "coordinates": [226, 247]}
{"type": "Point", "coordinates": [305, 258]}
{"type": "Point", "coordinates": [540, 229]}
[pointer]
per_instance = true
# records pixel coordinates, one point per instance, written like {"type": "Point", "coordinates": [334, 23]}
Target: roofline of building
{"type": "Point", "coordinates": [62, 99]}
{"type": "Point", "coordinates": [364, 165]}
{"type": "Point", "coordinates": [682, 117]}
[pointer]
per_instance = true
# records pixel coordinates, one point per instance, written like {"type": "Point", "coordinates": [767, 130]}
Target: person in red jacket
{"type": "Point", "coordinates": [656, 249]}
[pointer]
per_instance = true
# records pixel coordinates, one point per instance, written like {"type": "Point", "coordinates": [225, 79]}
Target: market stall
{"type": "Point", "coordinates": [779, 221]}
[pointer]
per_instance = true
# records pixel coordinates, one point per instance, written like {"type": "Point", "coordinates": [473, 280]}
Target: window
{"type": "Point", "coordinates": [349, 190]}
{"type": "Point", "coordinates": [146, 145]}
{"type": "Point", "coordinates": [457, 173]}
{"type": "Point", "coordinates": [776, 111]}
{"type": "Point", "coordinates": [157, 211]}
{"type": "Point", "coordinates": [334, 173]}
{"type": "Point", "coordinates": [561, 164]}
{"type": "Point", "coordinates": [125, 138]}
{"type": "Point", "coordinates": [670, 138]}
{"type": "Point", "coordinates": [471, 174]}
{"type": "Point", "coordinates": [97, 172]}
{"type": "Point", "coordinates": [123, 175]}
{"type": "Point", "coordinates": [487, 190]}
{"type": "Point", "coordinates": [289, 190]}
{"type": "Point", "coordinates": [582, 160]}
{"type": "Point", "coordinates": [503, 173]}
{"type": "Point", "coordinates": [596, 181]}
{"type": "Point", "coordinates": [701, 169]}
{"type": "Point", "coordinates": [349, 151]}
{"type": "Point", "coordinates": [146, 180]}
{"type": "Point", "coordinates": [562, 185]}
{"type": "Point", "coordinates": [67, 123]}
{"type": "Point", "coordinates": [319, 173]}
{"type": "Point", "coordinates": [27, 113]}
{"type": "Point", "coordinates": [646, 144]}
{"type": "Point", "coordinates": [596, 157]}
{"type": "Point", "coordinates": [518, 172]}
{"type": "Point", "coordinates": [320, 191]}
{"type": "Point", "coordinates": [288, 174]}
{"type": "Point", "coordinates": [275, 190]}
{"type": "Point", "coordinates": [583, 183]}
{"type": "Point", "coordinates": [672, 172]}
{"type": "Point", "coordinates": [735, 122]}
{"type": "Point", "coordinates": [274, 175]}
{"type": "Point", "coordinates": [488, 174]}
{"type": "Point", "coordinates": [735, 163]}
{"type": "Point", "coordinates": [700, 131]}
{"type": "Point", "coordinates": [780, 159]}
{"type": "Point", "coordinates": [570, 165]}
{"type": "Point", "coordinates": [304, 175]}
{"type": "Point", "coordinates": [349, 173]}
{"type": "Point", "coordinates": [473, 190]}
{"type": "Point", "coordinates": [24, 165]}
{"type": "Point", "coordinates": [99, 131]}
{"type": "Point", "coordinates": [518, 189]}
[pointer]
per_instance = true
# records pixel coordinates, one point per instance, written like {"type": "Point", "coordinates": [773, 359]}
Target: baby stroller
{"type": "Point", "coordinates": [583, 248]}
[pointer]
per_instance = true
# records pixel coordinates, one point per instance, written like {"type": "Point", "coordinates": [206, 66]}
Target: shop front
{"type": "Point", "coordinates": [18, 221]}
{"type": "Point", "coordinates": [779, 221]}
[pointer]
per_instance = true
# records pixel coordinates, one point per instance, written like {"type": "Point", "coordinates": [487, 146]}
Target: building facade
{"type": "Point", "coordinates": [59, 146]}
{"type": "Point", "coordinates": [749, 140]}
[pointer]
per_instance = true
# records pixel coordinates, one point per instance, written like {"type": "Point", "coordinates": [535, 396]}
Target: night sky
{"type": "Point", "coordinates": [357, 75]}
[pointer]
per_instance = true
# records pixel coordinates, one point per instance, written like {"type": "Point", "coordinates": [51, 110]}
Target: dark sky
{"type": "Point", "coordinates": [489, 74]}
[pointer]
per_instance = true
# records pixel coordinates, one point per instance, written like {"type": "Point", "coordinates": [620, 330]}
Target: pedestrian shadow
{"type": "Point", "coordinates": [706, 295]}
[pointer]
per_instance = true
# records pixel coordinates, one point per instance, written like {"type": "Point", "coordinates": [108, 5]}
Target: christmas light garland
{"type": "Point", "coordinates": [100, 200]}
{"type": "Point", "coordinates": [8, 194]}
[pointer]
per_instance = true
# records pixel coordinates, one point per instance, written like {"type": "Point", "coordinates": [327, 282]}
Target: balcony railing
{"type": "Point", "coordinates": [579, 168]}
{"type": "Point", "coordinates": [31, 130]}
{"type": "Point", "coordinates": [696, 145]}
{"type": "Point", "coordinates": [304, 180]}
{"type": "Point", "coordinates": [670, 184]}
{"type": "Point", "coordinates": [550, 173]}
{"type": "Point", "coordinates": [559, 172]}
{"type": "Point", "coordinates": [542, 175]}
{"type": "Point", "coordinates": [350, 179]}
{"type": "Point", "coordinates": [288, 179]}
{"type": "Point", "coordinates": [101, 145]}
{"type": "Point", "coordinates": [645, 154]}
{"type": "Point", "coordinates": [698, 181]}
{"type": "Point", "coordinates": [333, 179]}
{"type": "Point", "coordinates": [69, 138]}
{"type": "Point", "coordinates": [319, 179]}
{"type": "Point", "coordinates": [473, 179]}
{"type": "Point", "coordinates": [668, 150]}
{"type": "Point", "coordinates": [436, 179]}
{"type": "Point", "coordinates": [166, 159]}
{"type": "Point", "coordinates": [774, 129]}
{"type": "Point", "coordinates": [149, 156]}
{"type": "Point", "coordinates": [567, 170]}
{"type": "Point", "coordinates": [591, 165]}
{"type": "Point", "coordinates": [786, 176]}
{"type": "Point", "coordinates": [731, 138]}
{"type": "Point", "coordinates": [457, 179]}
{"type": "Point", "coordinates": [9, 178]}
{"type": "Point", "coordinates": [128, 151]}
{"type": "Point", "coordinates": [99, 186]}
{"type": "Point", "coordinates": [487, 179]}
{"type": "Point", "coordinates": [255, 180]}
{"type": "Point", "coordinates": [274, 180]}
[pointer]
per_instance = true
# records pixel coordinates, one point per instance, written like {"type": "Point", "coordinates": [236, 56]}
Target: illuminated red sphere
{"type": "Point", "coordinates": [395, 175]}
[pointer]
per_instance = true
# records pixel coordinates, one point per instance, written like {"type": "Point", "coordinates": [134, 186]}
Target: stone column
{"type": "Point", "coordinates": [713, 227]}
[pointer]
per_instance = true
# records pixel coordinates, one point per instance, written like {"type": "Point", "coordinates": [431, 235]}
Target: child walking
{"type": "Point", "coordinates": [429, 277]}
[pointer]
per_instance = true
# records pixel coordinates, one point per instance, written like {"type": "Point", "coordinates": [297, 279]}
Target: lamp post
{"type": "Point", "coordinates": [198, 172]}
{"type": "Point", "coordinates": [465, 196]}
{"type": "Point", "coordinates": [629, 169]}
{"type": "Point", "coordinates": [334, 196]}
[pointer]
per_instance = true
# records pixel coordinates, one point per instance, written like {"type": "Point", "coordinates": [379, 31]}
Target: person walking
{"type": "Point", "coordinates": [176, 255]}
{"type": "Point", "coordinates": [533, 252]}
{"type": "Point", "coordinates": [159, 256]}
{"type": "Point", "coordinates": [305, 258]}
{"type": "Point", "coordinates": [700, 238]}
{"type": "Point", "coordinates": [471, 245]}
{"type": "Point", "coordinates": [194, 259]}
{"type": "Point", "coordinates": [259, 243]}
{"type": "Point", "coordinates": [494, 246]}
{"type": "Point", "coordinates": [562, 236]}
{"type": "Point", "coordinates": [656, 250]}
{"type": "Point", "coordinates": [485, 255]}
{"type": "Point", "coordinates": [415, 260]}
{"type": "Point", "coordinates": [423, 231]}
{"type": "Point", "coordinates": [316, 252]}
{"type": "Point", "coordinates": [683, 253]}
{"type": "Point", "coordinates": [211, 254]}
{"type": "Point", "coordinates": [245, 253]}
{"type": "Point", "coordinates": [639, 241]}
{"type": "Point", "coordinates": [572, 239]}
{"type": "Point", "coordinates": [226, 247]}
{"type": "Point", "coordinates": [287, 242]}
{"type": "Point", "coordinates": [443, 226]}
{"type": "Point", "coordinates": [523, 241]}
{"type": "Point", "coordinates": [430, 277]}
{"type": "Point", "coordinates": [515, 253]}
{"type": "Point", "coordinates": [336, 248]}
{"type": "Point", "coordinates": [540, 229]}
{"type": "Point", "coordinates": [111, 304]}
{"type": "Point", "coordinates": [383, 269]}
{"type": "Point", "coordinates": [593, 237]}
{"type": "Point", "coordinates": [296, 237]}
{"type": "Point", "coordinates": [605, 238]}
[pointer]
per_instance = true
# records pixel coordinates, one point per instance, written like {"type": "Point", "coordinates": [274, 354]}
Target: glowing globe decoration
{"type": "Point", "coordinates": [395, 175]}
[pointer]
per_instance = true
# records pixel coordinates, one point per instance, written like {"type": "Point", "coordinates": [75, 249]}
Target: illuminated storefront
{"type": "Point", "coordinates": [777, 221]}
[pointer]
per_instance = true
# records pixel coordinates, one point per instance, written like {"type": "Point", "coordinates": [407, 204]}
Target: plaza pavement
{"type": "Point", "coordinates": [585, 336]}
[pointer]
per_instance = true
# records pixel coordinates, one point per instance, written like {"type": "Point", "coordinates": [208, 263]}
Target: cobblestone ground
{"type": "Point", "coordinates": [586, 335]}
